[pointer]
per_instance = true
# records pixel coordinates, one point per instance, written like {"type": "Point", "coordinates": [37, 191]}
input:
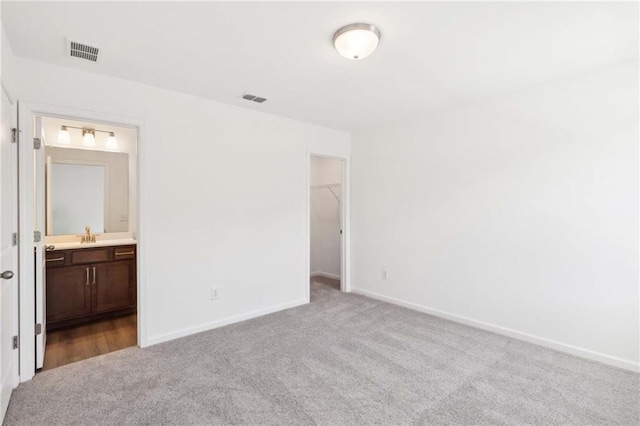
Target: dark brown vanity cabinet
{"type": "Point", "coordinates": [68, 295]}
{"type": "Point", "coordinates": [89, 284]}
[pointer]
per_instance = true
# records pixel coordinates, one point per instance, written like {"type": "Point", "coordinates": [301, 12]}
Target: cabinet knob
{"type": "Point", "coordinates": [6, 275]}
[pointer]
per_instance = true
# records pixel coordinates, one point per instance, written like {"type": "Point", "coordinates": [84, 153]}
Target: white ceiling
{"type": "Point", "coordinates": [431, 55]}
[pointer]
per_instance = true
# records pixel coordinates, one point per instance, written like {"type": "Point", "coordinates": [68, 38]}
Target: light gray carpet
{"type": "Point", "coordinates": [343, 359]}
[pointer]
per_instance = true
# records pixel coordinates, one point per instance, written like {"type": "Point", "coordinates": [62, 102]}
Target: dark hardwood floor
{"type": "Point", "coordinates": [335, 284]}
{"type": "Point", "coordinates": [88, 340]}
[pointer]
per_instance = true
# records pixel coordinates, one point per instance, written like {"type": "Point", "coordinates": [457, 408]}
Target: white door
{"type": "Point", "coordinates": [8, 257]}
{"type": "Point", "coordinates": [40, 262]}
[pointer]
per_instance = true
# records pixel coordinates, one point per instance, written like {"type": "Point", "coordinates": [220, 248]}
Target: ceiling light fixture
{"type": "Point", "coordinates": [63, 136]}
{"type": "Point", "coordinates": [88, 137]}
{"type": "Point", "coordinates": [356, 41]}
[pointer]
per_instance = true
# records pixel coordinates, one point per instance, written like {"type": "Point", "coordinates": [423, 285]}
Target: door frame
{"type": "Point", "coordinates": [26, 113]}
{"type": "Point", "coordinates": [345, 211]}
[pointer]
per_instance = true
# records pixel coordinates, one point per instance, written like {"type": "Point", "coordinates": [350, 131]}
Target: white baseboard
{"type": "Point", "coordinates": [325, 274]}
{"type": "Point", "coordinates": [548, 343]}
{"type": "Point", "coordinates": [222, 322]}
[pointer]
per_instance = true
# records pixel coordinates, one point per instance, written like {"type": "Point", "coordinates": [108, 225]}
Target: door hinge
{"type": "Point", "coordinates": [15, 342]}
{"type": "Point", "coordinates": [38, 329]}
{"type": "Point", "coordinates": [14, 135]}
{"type": "Point", "coordinates": [14, 239]}
{"type": "Point", "coordinates": [37, 143]}
{"type": "Point", "coordinates": [37, 236]}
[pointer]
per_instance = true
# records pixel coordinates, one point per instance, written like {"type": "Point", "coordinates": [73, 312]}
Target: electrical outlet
{"type": "Point", "coordinates": [215, 293]}
{"type": "Point", "coordinates": [385, 274]}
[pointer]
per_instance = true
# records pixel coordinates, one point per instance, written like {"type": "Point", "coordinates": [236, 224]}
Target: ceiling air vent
{"type": "Point", "coordinates": [253, 98]}
{"type": "Point", "coordinates": [82, 51]}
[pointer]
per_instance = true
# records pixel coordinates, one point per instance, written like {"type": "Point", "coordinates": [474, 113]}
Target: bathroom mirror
{"type": "Point", "coordinates": [86, 188]}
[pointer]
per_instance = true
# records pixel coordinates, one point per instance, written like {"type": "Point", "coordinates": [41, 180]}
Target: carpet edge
{"type": "Point", "coordinates": [222, 322]}
{"type": "Point", "coordinates": [519, 335]}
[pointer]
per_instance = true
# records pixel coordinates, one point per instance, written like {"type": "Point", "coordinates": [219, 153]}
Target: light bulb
{"type": "Point", "coordinates": [63, 136]}
{"type": "Point", "coordinates": [112, 143]}
{"type": "Point", "coordinates": [88, 137]}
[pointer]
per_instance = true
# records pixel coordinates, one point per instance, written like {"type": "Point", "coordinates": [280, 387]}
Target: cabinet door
{"type": "Point", "coordinates": [68, 292]}
{"type": "Point", "coordinates": [114, 285]}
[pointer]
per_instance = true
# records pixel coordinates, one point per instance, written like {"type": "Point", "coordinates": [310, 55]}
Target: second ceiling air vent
{"type": "Point", "coordinates": [82, 51]}
{"type": "Point", "coordinates": [253, 98]}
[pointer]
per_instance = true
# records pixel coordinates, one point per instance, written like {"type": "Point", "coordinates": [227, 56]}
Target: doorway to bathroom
{"type": "Point", "coordinates": [84, 218]}
{"type": "Point", "coordinates": [326, 214]}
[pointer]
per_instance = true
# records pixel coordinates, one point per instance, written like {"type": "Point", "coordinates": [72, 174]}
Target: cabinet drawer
{"type": "Point", "coordinates": [56, 258]}
{"type": "Point", "coordinates": [89, 256]}
{"type": "Point", "coordinates": [124, 252]}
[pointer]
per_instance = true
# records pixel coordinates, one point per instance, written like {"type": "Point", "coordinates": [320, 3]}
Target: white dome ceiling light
{"type": "Point", "coordinates": [356, 41]}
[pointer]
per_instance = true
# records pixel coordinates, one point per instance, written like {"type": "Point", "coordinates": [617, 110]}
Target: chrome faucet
{"type": "Point", "coordinates": [87, 237]}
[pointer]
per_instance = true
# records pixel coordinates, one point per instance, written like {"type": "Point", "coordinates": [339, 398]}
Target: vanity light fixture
{"type": "Point", "coordinates": [112, 143]}
{"type": "Point", "coordinates": [88, 137]}
{"type": "Point", "coordinates": [356, 41]}
{"type": "Point", "coordinates": [63, 136]}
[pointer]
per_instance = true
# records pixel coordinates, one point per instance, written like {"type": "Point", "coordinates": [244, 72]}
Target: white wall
{"type": "Point", "coordinates": [325, 170]}
{"type": "Point", "coordinates": [7, 67]}
{"type": "Point", "coordinates": [518, 212]}
{"type": "Point", "coordinates": [223, 196]}
{"type": "Point", "coordinates": [325, 216]}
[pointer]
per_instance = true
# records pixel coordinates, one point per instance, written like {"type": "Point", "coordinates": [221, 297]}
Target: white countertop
{"type": "Point", "coordinates": [99, 243]}
{"type": "Point", "coordinates": [67, 242]}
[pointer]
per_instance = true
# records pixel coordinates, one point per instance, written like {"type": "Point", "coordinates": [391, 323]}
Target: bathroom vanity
{"type": "Point", "coordinates": [88, 276]}
{"type": "Point", "coordinates": [88, 283]}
